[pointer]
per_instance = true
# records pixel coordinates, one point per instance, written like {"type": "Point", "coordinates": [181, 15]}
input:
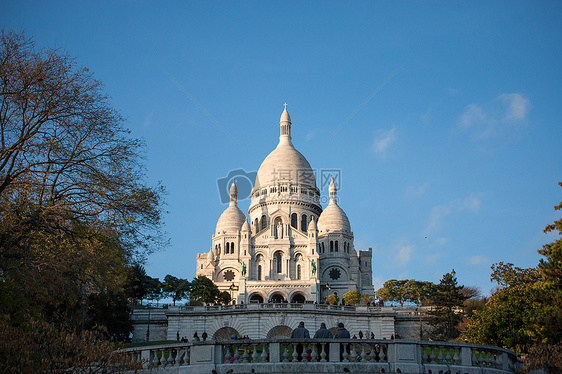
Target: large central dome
{"type": "Point", "coordinates": [285, 164]}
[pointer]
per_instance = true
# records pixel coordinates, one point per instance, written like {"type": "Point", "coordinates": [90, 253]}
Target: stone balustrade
{"type": "Point", "coordinates": [306, 306]}
{"type": "Point", "coordinates": [326, 355]}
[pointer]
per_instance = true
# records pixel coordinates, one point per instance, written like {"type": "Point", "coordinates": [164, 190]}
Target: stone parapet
{"type": "Point", "coordinates": [325, 355]}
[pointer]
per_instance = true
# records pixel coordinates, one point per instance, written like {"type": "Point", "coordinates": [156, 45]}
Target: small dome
{"type": "Point", "coordinates": [232, 219]}
{"type": "Point", "coordinates": [333, 218]}
{"type": "Point", "coordinates": [312, 225]}
{"type": "Point", "coordinates": [246, 226]}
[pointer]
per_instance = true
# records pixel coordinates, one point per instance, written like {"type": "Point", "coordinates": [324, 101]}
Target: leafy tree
{"type": "Point", "coordinates": [74, 209]}
{"type": "Point", "coordinates": [204, 290]}
{"type": "Point", "coordinates": [419, 291]}
{"type": "Point", "coordinates": [135, 286]}
{"type": "Point", "coordinates": [154, 289]}
{"type": "Point", "coordinates": [406, 290]}
{"type": "Point", "coordinates": [41, 347]}
{"type": "Point", "coordinates": [366, 299]}
{"type": "Point", "coordinates": [352, 297]}
{"type": "Point", "coordinates": [176, 288]}
{"type": "Point", "coordinates": [224, 298]}
{"type": "Point", "coordinates": [447, 310]}
{"type": "Point", "coordinates": [525, 312]}
{"type": "Point", "coordinates": [392, 290]}
{"type": "Point", "coordinates": [332, 299]}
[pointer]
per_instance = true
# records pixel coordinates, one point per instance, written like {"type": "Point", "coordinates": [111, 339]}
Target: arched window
{"type": "Point", "coordinates": [294, 220]}
{"type": "Point", "coordinates": [304, 223]}
{"type": "Point", "coordinates": [226, 250]}
{"type": "Point", "coordinates": [259, 261]}
{"type": "Point", "coordinates": [336, 246]}
{"type": "Point", "coordinates": [256, 225]}
{"type": "Point", "coordinates": [232, 247]}
{"type": "Point", "coordinates": [278, 262]}
{"type": "Point", "coordinates": [263, 222]}
{"type": "Point", "coordinates": [331, 245]}
{"type": "Point", "coordinates": [323, 247]}
{"type": "Point", "coordinates": [298, 271]}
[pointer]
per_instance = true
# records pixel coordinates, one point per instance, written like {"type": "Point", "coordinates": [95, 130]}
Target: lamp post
{"type": "Point", "coordinates": [232, 288]}
{"type": "Point", "coordinates": [419, 313]}
{"type": "Point", "coordinates": [148, 327]}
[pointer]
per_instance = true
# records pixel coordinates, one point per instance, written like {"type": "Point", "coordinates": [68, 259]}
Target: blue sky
{"type": "Point", "coordinates": [453, 162]}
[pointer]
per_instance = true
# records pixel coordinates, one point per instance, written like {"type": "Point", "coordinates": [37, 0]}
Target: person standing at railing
{"type": "Point", "coordinates": [300, 333]}
{"type": "Point", "coordinates": [342, 333]}
{"type": "Point", "coordinates": [323, 333]}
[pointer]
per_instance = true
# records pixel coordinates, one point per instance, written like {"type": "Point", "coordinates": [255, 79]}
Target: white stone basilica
{"type": "Point", "coordinates": [293, 250]}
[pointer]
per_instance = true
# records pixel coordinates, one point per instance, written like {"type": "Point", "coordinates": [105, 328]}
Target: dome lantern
{"type": "Point", "coordinates": [233, 192]}
{"type": "Point", "coordinates": [333, 191]}
{"type": "Point", "coordinates": [285, 126]}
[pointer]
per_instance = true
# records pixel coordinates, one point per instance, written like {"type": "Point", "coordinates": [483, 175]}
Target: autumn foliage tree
{"type": "Point", "coordinates": [75, 212]}
{"type": "Point", "coordinates": [332, 299]}
{"type": "Point", "coordinates": [352, 297]}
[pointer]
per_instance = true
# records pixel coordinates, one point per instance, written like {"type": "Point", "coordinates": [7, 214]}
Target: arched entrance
{"type": "Point", "coordinates": [256, 298]}
{"type": "Point", "coordinates": [280, 332]}
{"type": "Point", "coordinates": [225, 333]}
{"type": "Point", "coordinates": [298, 298]}
{"type": "Point", "coordinates": [277, 298]}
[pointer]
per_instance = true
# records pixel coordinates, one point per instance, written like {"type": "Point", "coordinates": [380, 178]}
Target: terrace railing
{"type": "Point", "coordinates": [312, 355]}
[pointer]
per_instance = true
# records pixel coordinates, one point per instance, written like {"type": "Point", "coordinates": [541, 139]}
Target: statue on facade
{"type": "Point", "coordinates": [313, 267]}
{"type": "Point", "coordinates": [242, 268]}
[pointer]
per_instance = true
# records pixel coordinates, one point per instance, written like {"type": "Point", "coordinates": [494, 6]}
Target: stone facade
{"type": "Point", "coordinates": [292, 249]}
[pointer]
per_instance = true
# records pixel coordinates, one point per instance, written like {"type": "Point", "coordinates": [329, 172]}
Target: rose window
{"type": "Point", "coordinates": [335, 273]}
{"type": "Point", "coordinates": [229, 275]}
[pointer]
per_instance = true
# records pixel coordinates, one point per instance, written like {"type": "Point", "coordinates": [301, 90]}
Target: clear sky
{"type": "Point", "coordinates": [451, 156]}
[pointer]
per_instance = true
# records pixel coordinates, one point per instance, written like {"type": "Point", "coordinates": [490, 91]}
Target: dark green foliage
{"type": "Point", "coordinates": [525, 313]}
{"type": "Point", "coordinates": [176, 288]}
{"type": "Point", "coordinates": [109, 310]}
{"type": "Point", "coordinates": [224, 298]}
{"type": "Point", "coordinates": [203, 290]}
{"type": "Point", "coordinates": [136, 284]}
{"type": "Point", "coordinates": [447, 311]}
{"type": "Point", "coordinates": [153, 289]}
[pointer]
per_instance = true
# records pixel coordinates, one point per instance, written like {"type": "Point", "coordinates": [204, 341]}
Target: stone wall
{"type": "Point", "coordinates": [260, 321]}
